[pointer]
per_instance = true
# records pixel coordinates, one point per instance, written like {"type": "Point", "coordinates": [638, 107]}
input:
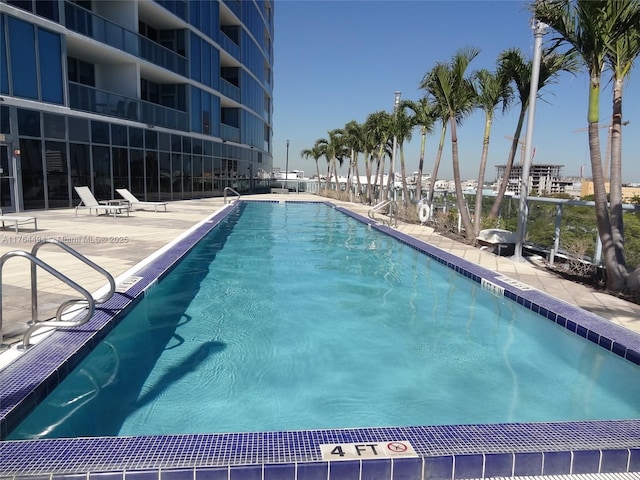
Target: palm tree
{"type": "Point", "coordinates": [377, 133]}
{"type": "Point", "coordinates": [401, 127]}
{"type": "Point", "coordinates": [332, 149]}
{"type": "Point", "coordinates": [513, 65]}
{"type": "Point", "coordinates": [492, 89]}
{"type": "Point", "coordinates": [352, 136]}
{"type": "Point", "coordinates": [314, 152]}
{"type": "Point", "coordinates": [620, 56]}
{"type": "Point", "coordinates": [449, 84]}
{"type": "Point", "coordinates": [589, 28]}
{"type": "Point", "coordinates": [424, 117]}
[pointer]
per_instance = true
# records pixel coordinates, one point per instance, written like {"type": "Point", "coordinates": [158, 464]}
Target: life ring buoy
{"type": "Point", "coordinates": [423, 212]}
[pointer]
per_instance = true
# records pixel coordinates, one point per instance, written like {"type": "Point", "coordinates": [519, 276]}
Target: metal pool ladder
{"type": "Point", "coordinates": [56, 322]}
{"type": "Point", "coordinates": [391, 212]}
{"type": "Point", "coordinates": [229, 189]}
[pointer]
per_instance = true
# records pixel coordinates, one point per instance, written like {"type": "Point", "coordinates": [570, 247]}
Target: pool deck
{"type": "Point", "coordinates": [118, 244]}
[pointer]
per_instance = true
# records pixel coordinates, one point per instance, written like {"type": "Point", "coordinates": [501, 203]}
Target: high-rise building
{"type": "Point", "coordinates": [171, 99]}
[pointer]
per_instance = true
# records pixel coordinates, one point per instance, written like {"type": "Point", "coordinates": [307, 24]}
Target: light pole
{"type": "Point", "coordinates": [538, 32]}
{"type": "Point", "coordinates": [286, 168]}
{"type": "Point", "coordinates": [392, 171]}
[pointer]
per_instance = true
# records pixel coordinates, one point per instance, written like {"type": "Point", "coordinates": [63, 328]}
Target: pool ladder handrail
{"type": "Point", "coordinates": [34, 324]}
{"type": "Point", "coordinates": [229, 189]}
{"type": "Point", "coordinates": [392, 212]}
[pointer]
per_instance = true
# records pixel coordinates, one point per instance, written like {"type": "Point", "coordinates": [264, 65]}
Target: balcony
{"type": "Point", "coordinates": [228, 89]}
{"type": "Point", "coordinates": [229, 46]}
{"type": "Point", "coordinates": [86, 23]}
{"type": "Point", "coordinates": [229, 133]}
{"type": "Point", "coordinates": [89, 99]}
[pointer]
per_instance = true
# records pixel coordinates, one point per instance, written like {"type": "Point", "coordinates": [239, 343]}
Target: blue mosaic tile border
{"type": "Point", "coordinates": [445, 452]}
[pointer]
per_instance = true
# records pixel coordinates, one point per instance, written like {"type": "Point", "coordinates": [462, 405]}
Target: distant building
{"type": "Point", "coordinates": [628, 191]}
{"type": "Point", "coordinates": [544, 179]}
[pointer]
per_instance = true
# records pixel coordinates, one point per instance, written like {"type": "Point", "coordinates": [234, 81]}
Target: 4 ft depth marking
{"type": "Point", "coordinates": [367, 450]}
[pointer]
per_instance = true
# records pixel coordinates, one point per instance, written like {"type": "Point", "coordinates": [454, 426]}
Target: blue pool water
{"type": "Point", "coordinates": [298, 317]}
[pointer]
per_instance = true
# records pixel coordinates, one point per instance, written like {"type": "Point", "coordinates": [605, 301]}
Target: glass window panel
{"type": "Point", "coordinates": [186, 144]}
{"type": "Point", "coordinates": [206, 63]}
{"type": "Point", "coordinates": [176, 176]}
{"type": "Point", "coordinates": [207, 176]}
{"type": "Point", "coordinates": [23, 58]}
{"type": "Point", "coordinates": [206, 113]}
{"type": "Point", "coordinates": [55, 154]}
{"type": "Point", "coordinates": [137, 173]}
{"type": "Point", "coordinates": [4, 73]}
{"type": "Point", "coordinates": [165, 176]}
{"type": "Point", "coordinates": [54, 126]}
{"type": "Point", "coordinates": [32, 174]}
{"type": "Point", "coordinates": [47, 9]}
{"type": "Point", "coordinates": [187, 177]}
{"type": "Point", "coordinates": [23, 4]}
{"type": "Point", "coordinates": [136, 138]}
{"type": "Point", "coordinates": [50, 66]}
{"type": "Point", "coordinates": [176, 143]}
{"type": "Point", "coordinates": [196, 145]}
{"type": "Point", "coordinates": [28, 123]}
{"type": "Point", "coordinates": [120, 167]}
{"type": "Point", "coordinates": [79, 165]}
{"type": "Point", "coordinates": [5, 126]}
{"type": "Point", "coordinates": [196, 174]}
{"type": "Point", "coordinates": [196, 110]}
{"type": "Point", "coordinates": [165, 142]}
{"type": "Point", "coordinates": [78, 129]}
{"type": "Point", "coordinates": [119, 135]}
{"type": "Point", "coordinates": [99, 132]}
{"type": "Point", "coordinates": [195, 57]}
{"type": "Point", "coordinates": [102, 173]}
{"type": "Point", "coordinates": [152, 179]}
{"type": "Point", "coordinates": [151, 139]}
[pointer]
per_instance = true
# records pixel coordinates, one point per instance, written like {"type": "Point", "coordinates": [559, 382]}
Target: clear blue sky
{"type": "Point", "coordinates": [339, 60]}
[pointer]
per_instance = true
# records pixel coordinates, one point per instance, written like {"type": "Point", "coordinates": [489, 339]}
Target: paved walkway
{"type": "Point", "coordinates": [118, 244]}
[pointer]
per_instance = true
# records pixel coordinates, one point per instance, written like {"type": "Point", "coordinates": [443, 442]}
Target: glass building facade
{"type": "Point", "coordinates": [171, 99]}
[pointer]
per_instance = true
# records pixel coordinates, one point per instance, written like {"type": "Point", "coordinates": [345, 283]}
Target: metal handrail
{"type": "Point", "coordinates": [229, 189]}
{"type": "Point", "coordinates": [58, 322]}
{"type": "Point", "coordinates": [79, 256]}
{"type": "Point", "coordinates": [87, 299]}
{"type": "Point", "coordinates": [392, 213]}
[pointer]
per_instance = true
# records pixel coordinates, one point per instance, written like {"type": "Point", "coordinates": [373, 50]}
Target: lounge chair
{"type": "Point", "coordinates": [134, 202]}
{"type": "Point", "coordinates": [87, 200]}
{"type": "Point", "coordinates": [17, 221]}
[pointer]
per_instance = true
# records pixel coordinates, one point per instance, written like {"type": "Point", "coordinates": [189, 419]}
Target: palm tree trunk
{"type": "Point", "coordinates": [615, 275]}
{"type": "Point", "coordinates": [436, 165]}
{"type": "Point", "coordinates": [358, 184]}
{"type": "Point", "coordinates": [368, 167]}
{"type": "Point", "coordinates": [375, 182]}
{"type": "Point", "coordinates": [423, 144]}
{"type": "Point", "coordinates": [403, 173]}
{"type": "Point", "coordinates": [318, 173]}
{"type": "Point", "coordinates": [615, 177]}
{"type": "Point", "coordinates": [335, 174]}
{"type": "Point", "coordinates": [497, 203]}
{"type": "Point", "coordinates": [483, 166]}
{"type": "Point", "coordinates": [462, 206]}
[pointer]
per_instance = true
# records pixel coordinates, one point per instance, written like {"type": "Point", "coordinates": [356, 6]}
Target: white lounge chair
{"type": "Point", "coordinates": [16, 221]}
{"type": "Point", "coordinates": [87, 200]}
{"type": "Point", "coordinates": [134, 202]}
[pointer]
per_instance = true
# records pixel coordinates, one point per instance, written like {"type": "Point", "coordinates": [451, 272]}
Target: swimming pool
{"type": "Point", "coordinates": [291, 317]}
{"type": "Point", "coordinates": [440, 445]}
